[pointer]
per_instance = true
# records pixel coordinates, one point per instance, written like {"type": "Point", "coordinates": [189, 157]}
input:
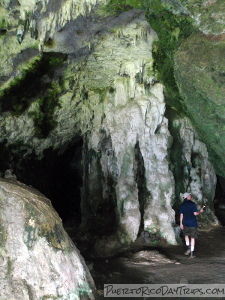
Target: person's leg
{"type": "Point", "coordinates": [192, 247]}
{"type": "Point", "coordinates": [187, 242]}
{"type": "Point", "coordinates": [192, 244]}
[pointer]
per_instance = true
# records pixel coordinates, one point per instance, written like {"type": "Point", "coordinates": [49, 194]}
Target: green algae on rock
{"type": "Point", "coordinates": [200, 75]}
{"type": "Point", "coordinates": [171, 30]}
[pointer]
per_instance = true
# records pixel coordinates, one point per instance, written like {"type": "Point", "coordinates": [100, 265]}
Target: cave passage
{"type": "Point", "coordinates": [219, 201]}
{"type": "Point", "coordinates": [57, 175]}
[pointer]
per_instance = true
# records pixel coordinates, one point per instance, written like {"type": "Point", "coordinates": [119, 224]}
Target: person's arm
{"type": "Point", "coordinates": [196, 213]}
{"type": "Point", "coordinates": [181, 221]}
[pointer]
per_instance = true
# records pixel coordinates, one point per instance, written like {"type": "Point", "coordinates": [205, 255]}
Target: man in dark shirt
{"type": "Point", "coordinates": [188, 223]}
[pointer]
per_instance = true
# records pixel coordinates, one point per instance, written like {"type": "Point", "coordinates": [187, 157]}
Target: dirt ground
{"type": "Point", "coordinates": [165, 265]}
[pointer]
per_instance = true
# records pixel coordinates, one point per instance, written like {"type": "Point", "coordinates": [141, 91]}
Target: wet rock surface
{"type": "Point", "coordinates": [165, 265]}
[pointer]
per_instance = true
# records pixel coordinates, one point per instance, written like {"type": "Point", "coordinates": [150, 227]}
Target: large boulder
{"type": "Point", "coordinates": [37, 258]}
{"type": "Point", "coordinates": [200, 75]}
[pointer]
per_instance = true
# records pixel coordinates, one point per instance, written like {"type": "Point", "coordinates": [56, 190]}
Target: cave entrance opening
{"type": "Point", "coordinates": [219, 201]}
{"type": "Point", "coordinates": [58, 175]}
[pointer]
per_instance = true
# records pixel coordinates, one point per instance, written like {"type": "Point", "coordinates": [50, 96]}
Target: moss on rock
{"type": "Point", "coordinates": [54, 235]}
{"type": "Point", "coordinates": [118, 6]}
{"type": "Point", "coordinates": [3, 235]}
{"type": "Point", "coordinates": [35, 85]}
{"type": "Point", "coordinates": [37, 226]}
{"type": "Point", "coordinates": [200, 75]}
{"type": "Point", "coordinates": [208, 15]}
{"type": "Point", "coordinates": [176, 154]}
{"type": "Point", "coordinates": [171, 30]}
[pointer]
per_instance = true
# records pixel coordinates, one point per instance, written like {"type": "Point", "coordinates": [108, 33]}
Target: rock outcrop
{"type": "Point", "coordinates": [43, 18]}
{"type": "Point", "coordinates": [133, 141]}
{"type": "Point", "coordinates": [91, 76]}
{"type": "Point", "coordinates": [37, 258]}
{"type": "Point", "coordinates": [207, 15]}
{"type": "Point", "coordinates": [199, 71]}
{"type": "Point", "coordinates": [192, 169]}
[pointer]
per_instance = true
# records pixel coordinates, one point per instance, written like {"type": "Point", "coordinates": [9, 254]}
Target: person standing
{"type": "Point", "coordinates": [188, 223]}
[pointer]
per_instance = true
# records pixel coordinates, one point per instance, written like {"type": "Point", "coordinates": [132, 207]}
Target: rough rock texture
{"type": "Point", "coordinates": [136, 133]}
{"type": "Point", "coordinates": [94, 78]}
{"type": "Point", "coordinates": [95, 59]}
{"type": "Point", "coordinates": [198, 65]}
{"type": "Point", "coordinates": [127, 135]}
{"type": "Point", "coordinates": [194, 174]}
{"type": "Point", "coordinates": [199, 71]}
{"type": "Point", "coordinates": [44, 18]}
{"type": "Point", "coordinates": [208, 15]}
{"type": "Point", "coordinates": [37, 258]}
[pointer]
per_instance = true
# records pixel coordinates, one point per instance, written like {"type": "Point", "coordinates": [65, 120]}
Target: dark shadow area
{"type": "Point", "coordinates": [219, 201]}
{"type": "Point", "coordinates": [23, 90]}
{"type": "Point", "coordinates": [98, 207]}
{"type": "Point", "coordinates": [35, 84]}
{"type": "Point", "coordinates": [140, 179]}
{"type": "Point", "coordinates": [57, 176]}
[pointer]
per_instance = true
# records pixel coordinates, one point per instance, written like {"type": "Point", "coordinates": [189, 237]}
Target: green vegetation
{"type": "Point", "coordinates": [3, 23]}
{"type": "Point", "coordinates": [203, 91]}
{"type": "Point", "coordinates": [3, 235]}
{"type": "Point", "coordinates": [22, 90]}
{"type": "Point", "coordinates": [9, 268]}
{"type": "Point", "coordinates": [49, 297]}
{"type": "Point", "coordinates": [171, 30]}
{"type": "Point", "coordinates": [35, 83]}
{"type": "Point", "coordinates": [102, 92]}
{"type": "Point", "coordinates": [118, 6]}
{"type": "Point", "coordinates": [15, 97]}
{"type": "Point", "coordinates": [50, 230]}
{"type": "Point", "coordinates": [54, 235]}
{"type": "Point", "coordinates": [176, 154]}
{"type": "Point", "coordinates": [43, 115]}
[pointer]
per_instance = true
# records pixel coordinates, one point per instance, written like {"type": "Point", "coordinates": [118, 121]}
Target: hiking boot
{"type": "Point", "coordinates": [192, 255]}
{"type": "Point", "coordinates": [188, 251]}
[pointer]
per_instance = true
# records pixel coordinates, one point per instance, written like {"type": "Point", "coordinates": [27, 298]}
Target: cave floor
{"type": "Point", "coordinates": [165, 265]}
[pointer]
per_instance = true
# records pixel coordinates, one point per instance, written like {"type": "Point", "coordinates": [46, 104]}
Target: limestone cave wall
{"type": "Point", "coordinates": [73, 76]}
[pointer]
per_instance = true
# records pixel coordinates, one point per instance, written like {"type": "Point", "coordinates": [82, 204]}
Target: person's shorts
{"type": "Point", "coordinates": [190, 231]}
